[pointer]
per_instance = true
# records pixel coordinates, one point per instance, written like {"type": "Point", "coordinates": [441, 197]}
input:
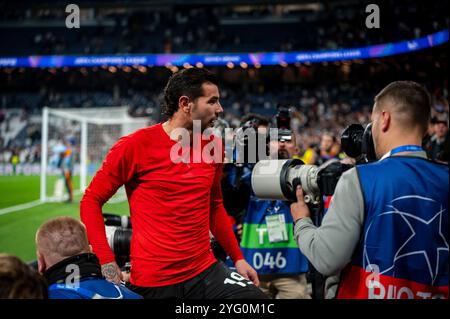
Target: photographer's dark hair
{"type": "Point", "coordinates": [186, 82]}
{"type": "Point", "coordinates": [19, 281]}
{"type": "Point", "coordinates": [411, 100]}
{"type": "Point", "coordinates": [256, 118]}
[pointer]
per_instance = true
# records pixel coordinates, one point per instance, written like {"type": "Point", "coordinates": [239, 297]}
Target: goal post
{"type": "Point", "coordinates": [86, 134]}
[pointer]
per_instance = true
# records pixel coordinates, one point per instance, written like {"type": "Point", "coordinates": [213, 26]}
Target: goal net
{"type": "Point", "coordinates": [78, 140]}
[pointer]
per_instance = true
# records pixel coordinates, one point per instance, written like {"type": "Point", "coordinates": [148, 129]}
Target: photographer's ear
{"type": "Point", "coordinates": [184, 104]}
{"type": "Point", "coordinates": [386, 119]}
{"type": "Point", "coordinates": [41, 262]}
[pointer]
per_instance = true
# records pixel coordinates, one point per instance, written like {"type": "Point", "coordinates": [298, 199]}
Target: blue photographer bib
{"type": "Point", "coordinates": [403, 251]}
{"type": "Point", "coordinates": [268, 242]}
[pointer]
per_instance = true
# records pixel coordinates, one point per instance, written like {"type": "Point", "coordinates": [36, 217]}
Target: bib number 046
{"type": "Point", "coordinates": [268, 260]}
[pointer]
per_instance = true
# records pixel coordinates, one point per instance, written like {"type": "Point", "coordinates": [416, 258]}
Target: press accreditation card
{"type": "Point", "coordinates": [276, 228]}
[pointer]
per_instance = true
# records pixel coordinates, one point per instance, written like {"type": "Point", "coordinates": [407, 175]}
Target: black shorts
{"type": "Point", "coordinates": [216, 282]}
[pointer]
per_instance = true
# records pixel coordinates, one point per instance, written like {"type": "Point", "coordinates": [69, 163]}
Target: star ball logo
{"type": "Point", "coordinates": [418, 251]}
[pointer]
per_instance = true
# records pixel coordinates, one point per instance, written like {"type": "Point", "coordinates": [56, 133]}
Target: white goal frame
{"type": "Point", "coordinates": [85, 116]}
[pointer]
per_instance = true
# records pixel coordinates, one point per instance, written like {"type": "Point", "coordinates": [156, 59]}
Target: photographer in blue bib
{"type": "Point", "coordinates": [385, 235]}
{"type": "Point", "coordinates": [267, 240]}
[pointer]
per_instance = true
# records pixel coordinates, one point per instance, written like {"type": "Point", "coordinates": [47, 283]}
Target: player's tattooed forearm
{"type": "Point", "coordinates": [110, 272]}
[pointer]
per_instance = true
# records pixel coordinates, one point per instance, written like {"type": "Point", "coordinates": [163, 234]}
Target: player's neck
{"type": "Point", "coordinates": [176, 123]}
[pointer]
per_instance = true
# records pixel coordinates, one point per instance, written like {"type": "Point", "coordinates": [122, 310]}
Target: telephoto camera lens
{"type": "Point", "coordinates": [119, 240]}
{"type": "Point", "coordinates": [117, 220]}
{"type": "Point", "coordinates": [278, 179]}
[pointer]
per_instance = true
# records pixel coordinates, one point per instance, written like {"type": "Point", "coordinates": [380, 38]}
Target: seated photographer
{"type": "Point", "coordinates": [385, 235]}
{"type": "Point", "coordinates": [273, 252]}
{"type": "Point", "coordinates": [20, 281]}
{"type": "Point", "coordinates": [72, 272]}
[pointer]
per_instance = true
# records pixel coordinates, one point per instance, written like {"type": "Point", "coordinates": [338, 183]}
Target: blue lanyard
{"type": "Point", "coordinates": [406, 148]}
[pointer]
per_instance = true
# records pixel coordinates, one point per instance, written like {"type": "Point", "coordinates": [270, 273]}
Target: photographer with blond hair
{"type": "Point", "coordinates": [66, 260]}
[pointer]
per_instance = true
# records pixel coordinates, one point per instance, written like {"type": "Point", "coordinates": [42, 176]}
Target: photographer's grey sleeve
{"type": "Point", "coordinates": [330, 246]}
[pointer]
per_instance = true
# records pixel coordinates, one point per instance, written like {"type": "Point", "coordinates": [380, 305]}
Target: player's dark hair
{"type": "Point", "coordinates": [186, 82]}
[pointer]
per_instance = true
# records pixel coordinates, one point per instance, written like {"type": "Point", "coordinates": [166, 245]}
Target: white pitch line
{"type": "Point", "coordinates": [35, 203]}
{"type": "Point", "coordinates": [32, 204]}
{"type": "Point", "coordinates": [28, 205]}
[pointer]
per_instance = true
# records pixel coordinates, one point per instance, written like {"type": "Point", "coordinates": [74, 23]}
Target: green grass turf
{"type": "Point", "coordinates": [20, 189]}
{"type": "Point", "coordinates": [17, 229]}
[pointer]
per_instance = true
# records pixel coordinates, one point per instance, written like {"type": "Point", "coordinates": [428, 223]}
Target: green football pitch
{"type": "Point", "coordinates": [18, 227]}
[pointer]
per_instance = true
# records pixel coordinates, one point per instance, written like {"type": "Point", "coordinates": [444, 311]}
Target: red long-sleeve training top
{"type": "Point", "coordinates": [172, 205]}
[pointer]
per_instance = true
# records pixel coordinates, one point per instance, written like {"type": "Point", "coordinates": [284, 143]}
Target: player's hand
{"type": "Point", "coordinates": [112, 272]}
{"type": "Point", "coordinates": [126, 276]}
{"type": "Point", "coordinates": [247, 271]}
{"type": "Point", "coordinates": [299, 209]}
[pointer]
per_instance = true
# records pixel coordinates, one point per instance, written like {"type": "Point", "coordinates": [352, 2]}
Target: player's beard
{"type": "Point", "coordinates": [212, 122]}
{"type": "Point", "coordinates": [208, 124]}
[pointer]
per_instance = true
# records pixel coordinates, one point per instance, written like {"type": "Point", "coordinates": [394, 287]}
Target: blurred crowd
{"type": "Point", "coordinates": [324, 97]}
{"type": "Point", "coordinates": [208, 28]}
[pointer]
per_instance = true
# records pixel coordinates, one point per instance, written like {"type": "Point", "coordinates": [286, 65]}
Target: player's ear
{"type": "Point", "coordinates": [184, 104]}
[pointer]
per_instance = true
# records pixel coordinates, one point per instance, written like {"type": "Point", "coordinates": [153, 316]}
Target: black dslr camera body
{"type": "Point", "coordinates": [278, 179]}
{"type": "Point", "coordinates": [357, 142]}
{"type": "Point", "coordinates": [118, 234]}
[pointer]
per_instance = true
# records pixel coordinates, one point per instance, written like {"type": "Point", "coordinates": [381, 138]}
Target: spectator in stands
{"type": "Point", "coordinates": [327, 148]}
{"type": "Point", "coordinates": [20, 281]}
{"type": "Point", "coordinates": [14, 161]}
{"type": "Point", "coordinates": [438, 143]}
{"type": "Point", "coordinates": [71, 269]}
{"type": "Point", "coordinates": [2, 116]}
